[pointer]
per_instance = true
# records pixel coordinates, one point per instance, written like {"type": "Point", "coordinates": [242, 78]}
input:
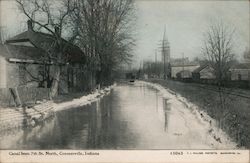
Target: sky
{"type": "Point", "coordinates": [185, 21]}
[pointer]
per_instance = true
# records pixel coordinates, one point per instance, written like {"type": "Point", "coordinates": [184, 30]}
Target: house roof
{"type": "Point", "coordinates": [200, 68]}
{"type": "Point", "coordinates": [20, 52]}
{"type": "Point", "coordinates": [241, 66]}
{"type": "Point", "coordinates": [45, 42]}
{"type": "Point", "coordinates": [185, 65]}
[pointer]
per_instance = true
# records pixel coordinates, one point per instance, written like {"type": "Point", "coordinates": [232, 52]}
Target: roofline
{"type": "Point", "coordinates": [239, 69]}
{"type": "Point", "coordinates": [203, 67]}
{"type": "Point", "coordinates": [183, 65]}
{"type": "Point", "coordinates": [31, 61]}
{"type": "Point", "coordinates": [17, 40]}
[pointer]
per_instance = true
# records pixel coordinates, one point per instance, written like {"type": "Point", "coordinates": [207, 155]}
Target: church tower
{"type": "Point", "coordinates": [165, 49]}
{"type": "Point", "coordinates": [165, 55]}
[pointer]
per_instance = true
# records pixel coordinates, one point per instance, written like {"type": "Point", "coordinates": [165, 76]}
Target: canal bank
{"type": "Point", "coordinates": [236, 117]}
{"type": "Point", "coordinates": [30, 116]}
{"type": "Point", "coordinates": [218, 138]}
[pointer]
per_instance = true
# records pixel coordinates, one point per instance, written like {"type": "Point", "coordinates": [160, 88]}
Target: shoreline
{"type": "Point", "coordinates": [220, 138]}
{"type": "Point", "coordinates": [16, 118]}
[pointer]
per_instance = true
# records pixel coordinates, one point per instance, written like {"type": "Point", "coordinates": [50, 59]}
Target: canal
{"type": "Point", "coordinates": [132, 116]}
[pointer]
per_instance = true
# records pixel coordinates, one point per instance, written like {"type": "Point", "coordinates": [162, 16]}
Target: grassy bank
{"type": "Point", "coordinates": [232, 111]}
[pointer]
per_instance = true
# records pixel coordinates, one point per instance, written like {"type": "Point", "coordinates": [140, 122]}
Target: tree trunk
{"type": "Point", "coordinates": [55, 83]}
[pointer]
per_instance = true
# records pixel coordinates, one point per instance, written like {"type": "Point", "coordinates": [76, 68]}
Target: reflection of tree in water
{"type": "Point", "coordinates": [156, 100]}
{"type": "Point", "coordinates": [100, 125]}
{"type": "Point", "coordinates": [167, 109]}
{"type": "Point", "coordinates": [40, 135]}
{"type": "Point", "coordinates": [92, 127]}
{"type": "Point", "coordinates": [106, 120]}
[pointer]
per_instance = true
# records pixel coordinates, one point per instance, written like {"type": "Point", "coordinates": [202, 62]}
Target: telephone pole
{"type": "Point", "coordinates": [1, 41]}
{"type": "Point", "coordinates": [183, 62]}
{"type": "Point", "coordinates": [156, 63]}
{"type": "Point", "coordinates": [164, 52]}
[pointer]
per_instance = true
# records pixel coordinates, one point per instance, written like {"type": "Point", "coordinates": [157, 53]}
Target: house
{"type": "Point", "coordinates": [25, 62]}
{"type": "Point", "coordinates": [240, 72]}
{"type": "Point", "coordinates": [203, 72]}
{"type": "Point", "coordinates": [185, 69]}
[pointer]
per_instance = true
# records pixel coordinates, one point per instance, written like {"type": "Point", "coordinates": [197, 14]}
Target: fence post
{"type": "Point", "coordinates": [16, 97]}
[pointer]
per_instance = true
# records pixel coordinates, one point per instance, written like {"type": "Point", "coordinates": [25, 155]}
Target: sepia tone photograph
{"type": "Point", "coordinates": [124, 75]}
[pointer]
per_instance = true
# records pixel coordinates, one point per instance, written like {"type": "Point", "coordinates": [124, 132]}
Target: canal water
{"type": "Point", "coordinates": [132, 116]}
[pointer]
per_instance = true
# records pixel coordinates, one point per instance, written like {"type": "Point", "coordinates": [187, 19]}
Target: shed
{"type": "Point", "coordinates": [240, 72]}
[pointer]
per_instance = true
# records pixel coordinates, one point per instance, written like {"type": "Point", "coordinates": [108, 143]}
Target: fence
{"type": "Point", "coordinates": [244, 84]}
{"type": "Point", "coordinates": [27, 95]}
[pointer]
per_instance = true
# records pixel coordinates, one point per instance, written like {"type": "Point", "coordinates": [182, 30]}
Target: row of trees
{"type": "Point", "coordinates": [101, 28]}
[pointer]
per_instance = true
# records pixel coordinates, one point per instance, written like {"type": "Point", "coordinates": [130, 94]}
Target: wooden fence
{"type": "Point", "coordinates": [244, 84]}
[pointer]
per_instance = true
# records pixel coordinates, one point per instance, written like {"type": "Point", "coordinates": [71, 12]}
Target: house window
{"type": "Point", "coordinates": [22, 75]}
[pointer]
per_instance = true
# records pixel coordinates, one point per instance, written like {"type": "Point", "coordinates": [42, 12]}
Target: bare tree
{"type": "Point", "coordinates": [105, 34]}
{"type": "Point", "coordinates": [218, 48]}
{"type": "Point", "coordinates": [53, 18]}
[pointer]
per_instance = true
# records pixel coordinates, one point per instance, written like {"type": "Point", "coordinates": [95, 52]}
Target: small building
{"type": "Point", "coordinates": [186, 70]}
{"type": "Point", "coordinates": [27, 60]}
{"type": "Point", "coordinates": [240, 72]}
{"type": "Point", "coordinates": [203, 72]}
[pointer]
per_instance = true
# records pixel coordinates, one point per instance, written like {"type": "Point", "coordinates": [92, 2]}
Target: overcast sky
{"type": "Point", "coordinates": [185, 21]}
{"type": "Point", "coordinates": [185, 24]}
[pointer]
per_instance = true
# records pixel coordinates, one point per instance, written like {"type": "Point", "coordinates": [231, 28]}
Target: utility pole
{"type": "Point", "coordinates": [155, 56]}
{"type": "Point", "coordinates": [164, 53]}
{"type": "Point", "coordinates": [183, 62]}
{"type": "Point", "coordinates": [1, 41]}
{"type": "Point", "coordinates": [155, 62]}
{"type": "Point", "coordinates": [183, 65]}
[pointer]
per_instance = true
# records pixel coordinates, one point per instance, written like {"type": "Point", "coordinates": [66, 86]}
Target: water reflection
{"type": "Point", "coordinates": [131, 117]}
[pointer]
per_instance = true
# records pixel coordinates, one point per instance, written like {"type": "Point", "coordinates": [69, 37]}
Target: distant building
{"type": "Point", "coordinates": [240, 72]}
{"type": "Point", "coordinates": [203, 72]}
{"type": "Point", "coordinates": [185, 70]}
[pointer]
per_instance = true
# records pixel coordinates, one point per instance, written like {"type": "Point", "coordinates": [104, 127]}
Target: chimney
{"type": "Point", "coordinates": [30, 26]}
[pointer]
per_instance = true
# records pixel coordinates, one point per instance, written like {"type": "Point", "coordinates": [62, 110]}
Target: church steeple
{"type": "Point", "coordinates": [165, 55]}
{"type": "Point", "coordinates": [165, 47]}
